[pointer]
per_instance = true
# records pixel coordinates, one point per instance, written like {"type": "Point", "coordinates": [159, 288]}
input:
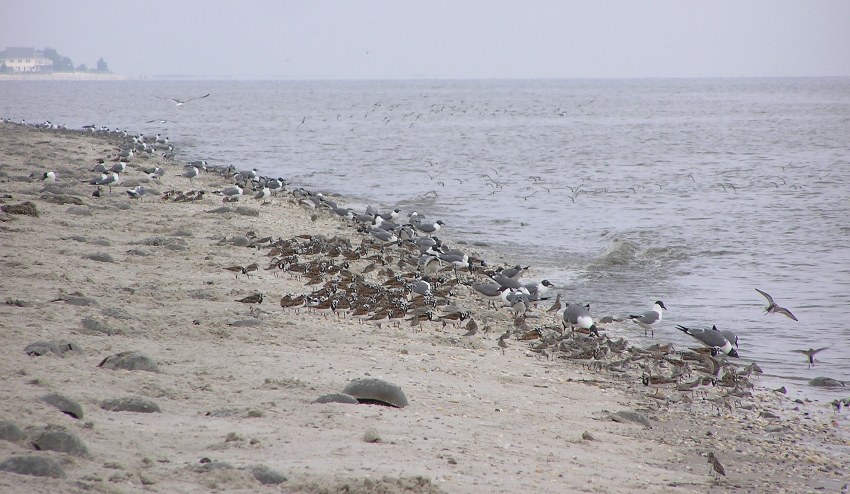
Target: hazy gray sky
{"type": "Point", "coordinates": [440, 38]}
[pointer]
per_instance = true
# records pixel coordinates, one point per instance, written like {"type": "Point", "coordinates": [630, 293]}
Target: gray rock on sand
{"type": "Point", "coordinates": [40, 348]}
{"type": "Point", "coordinates": [245, 323]}
{"type": "Point", "coordinates": [337, 398]}
{"type": "Point", "coordinates": [370, 390]}
{"type": "Point", "coordinates": [80, 301]}
{"type": "Point", "coordinates": [129, 361]}
{"type": "Point", "coordinates": [632, 416]}
{"type": "Point", "coordinates": [266, 475]}
{"type": "Point", "coordinates": [60, 441]}
{"type": "Point", "coordinates": [64, 404]}
{"type": "Point", "coordinates": [99, 257]}
{"type": "Point", "coordinates": [95, 326]}
{"type": "Point", "coordinates": [10, 432]}
{"type": "Point", "coordinates": [35, 465]}
{"type": "Point", "coordinates": [130, 404]}
{"type": "Point", "coordinates": [826, 382]}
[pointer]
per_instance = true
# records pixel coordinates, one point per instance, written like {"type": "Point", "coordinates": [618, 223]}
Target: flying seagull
{"type": "Point", "coordinates": [810, 353]}
{"type": "Point", "coordinates": [181, 102]}
{"type": "Point", "coordinates": [772, 308]}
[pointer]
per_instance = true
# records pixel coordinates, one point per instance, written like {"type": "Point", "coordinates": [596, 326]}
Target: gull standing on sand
{"type": "Point", "coordinates": [232, 193]}
{"type": "Point", "coordinates": [650, 318]}
{"type": "Point", "coordinates": [711, 338]}
{"type": "Point", "coordinates": [263, 194]}
{"type": "Point", "coordinates": [772, 308]}
{"type": "Point", "coordinates": [108, 179]}
{"type": "Point", "coordinates": [191, 172]}
{"type": "Point", "coordinates": [578, 315]}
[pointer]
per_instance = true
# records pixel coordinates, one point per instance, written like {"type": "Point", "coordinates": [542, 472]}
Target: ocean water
{"type": "Point", "coordinates": [620, 192]}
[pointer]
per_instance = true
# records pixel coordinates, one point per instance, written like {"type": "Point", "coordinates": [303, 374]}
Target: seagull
{"type": "Point", "coordinates": [772, 308]}
{"type": "Point", "coordinates": [810, 353]}
{"type": "Point", "coordinates": [650, 318]}
{"type": "Point", "coordinates": [263, 194]}
{"type": "Point", "coordinates": [429, 228]}
{"type": "Point", "coordinates": [232, 193]}
{"type": "Point", "coordinates": [157, 173]}
{"type": "Point", "coordinates": [578, 315]}
{"type": "Point", "coordinates": [48, 177]}
{"type": "Point", "coordinates": [493, 291]}
{"type": "Point", "coordinates": [711, 338]}
{"type": "Point", "coordinates": [136, 192]}
{"type": "Point", "coordinates": [181, 102]}
{"type": "Point", "coordinates": [420, 288]}
{"type": "Point", "coordinates": [514, 272]}
{"type": "Point", "coordinates": [537, 291]}
{"type": "Point", "coordinates": [382, 234]}
{"type": "Point", "coordinates": [191, 172]}
{"type": "Point", "coordinates": [108, 179]}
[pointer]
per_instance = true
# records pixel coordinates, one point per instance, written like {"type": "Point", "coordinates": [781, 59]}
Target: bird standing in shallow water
{"type": "Point", "coordinates": [772, 308]}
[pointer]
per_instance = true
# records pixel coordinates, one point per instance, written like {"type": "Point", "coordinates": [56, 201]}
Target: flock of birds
{"type": "Point", "coordinates": [410, 274]}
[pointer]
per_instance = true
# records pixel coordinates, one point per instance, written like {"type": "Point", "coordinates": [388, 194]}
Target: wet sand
{"type": "Point", "coordinates": [98, 276]}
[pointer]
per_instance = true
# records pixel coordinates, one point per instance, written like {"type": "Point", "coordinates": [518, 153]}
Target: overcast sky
{"type": "Point", "coordinates": [378, 39]}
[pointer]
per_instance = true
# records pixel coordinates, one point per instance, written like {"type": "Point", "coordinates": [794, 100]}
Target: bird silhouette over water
{"type": "Point", "coordinates": [810, 353]}
{"type": "Point", "coordinates": [181, 102]}
{"type": "Point", "coordinates": [772, 308]}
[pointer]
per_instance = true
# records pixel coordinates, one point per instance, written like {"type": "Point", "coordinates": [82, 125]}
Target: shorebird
{"type": "Point", "coordinates": [471, 328]}
{"type": "Point", "coordinates": [48, 177]}
{"type": "Point", "coordinates": [256, 298]}
{"type": "Point", "coordinates": [237, 270]}
{"type": "Point", "coordinates": [810, 353]}
{"type": "Point", "coordinates": [181, 102]}
{"type": "Point", "coordinates": [650, 318]}
{"type": "Point", "coordinates": [557, 305]}
{"type": "Point", "coordinates": [712, 338]}
{"type": "Point", "coordinates": [772, 308]}
{"type": "Point", "coordinates": [716, 467]}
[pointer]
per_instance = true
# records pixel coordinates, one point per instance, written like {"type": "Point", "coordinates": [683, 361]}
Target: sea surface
{"type": "Point", "coordinates": [620, 192]}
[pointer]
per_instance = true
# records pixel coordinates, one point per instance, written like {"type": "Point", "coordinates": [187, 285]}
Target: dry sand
{"type": "Point", "coordinates": [112, 274]}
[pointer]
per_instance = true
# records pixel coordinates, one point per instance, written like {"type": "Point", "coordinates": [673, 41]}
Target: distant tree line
{"type": "Point", "coordinates": [65, 64]}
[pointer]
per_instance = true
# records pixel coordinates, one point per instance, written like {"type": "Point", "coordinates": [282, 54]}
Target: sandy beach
{"type": "Point", "coordinates": [230, 386]}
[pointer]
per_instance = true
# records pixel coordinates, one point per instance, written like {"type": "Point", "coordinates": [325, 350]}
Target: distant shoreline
{"type": "Point", "coordinates": [64, 76]}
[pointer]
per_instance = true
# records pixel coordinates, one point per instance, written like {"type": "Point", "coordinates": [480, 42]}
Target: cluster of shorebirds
{"type": "Point", "coordinates": [397, 273]}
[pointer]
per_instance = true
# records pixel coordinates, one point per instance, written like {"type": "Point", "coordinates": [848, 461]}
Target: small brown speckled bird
{"type": "Point", "coordinates": [716, 467]}
{"type": "Point", "coordinates": [257, 298]}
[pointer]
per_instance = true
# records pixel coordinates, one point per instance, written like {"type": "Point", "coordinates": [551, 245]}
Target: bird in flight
{"type": "Point", "coordinates": [772, 308]}
{"type": "Point", "coordinates": [810, 353]}
{"type": "Point", "coordinates": [181, 102]}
